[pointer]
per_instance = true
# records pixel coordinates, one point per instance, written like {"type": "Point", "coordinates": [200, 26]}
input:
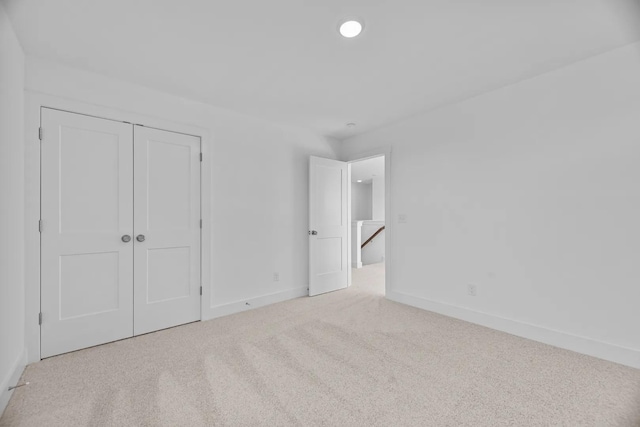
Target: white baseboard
{"type": "Point", "coordinates": [261, 301]}
{"type": "Point", "coordinates": [588, 346]}
{"type": "Point", "coordinates": [356, 265]}
{"type": "Point", "coordinates": [11, 379]}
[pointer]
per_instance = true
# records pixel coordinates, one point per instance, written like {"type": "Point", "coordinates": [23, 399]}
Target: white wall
{"type": "Point", "coordinates": [377, 198]}
{"type": "Point", "coordinates": [360, 201]}
{"type": "Point", "coordinates": [532, 193]}
{"type": "Point", "coordinates": [259, 208]}
{"type": "Point", "coordinates": [12, 354]}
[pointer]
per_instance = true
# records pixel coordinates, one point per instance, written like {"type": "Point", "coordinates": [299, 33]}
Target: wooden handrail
{"type": "Point", "coordinates": [372, 237]}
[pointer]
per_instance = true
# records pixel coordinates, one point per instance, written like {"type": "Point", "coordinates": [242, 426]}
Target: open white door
{"type": "Point", "coordinates": [328, 245]}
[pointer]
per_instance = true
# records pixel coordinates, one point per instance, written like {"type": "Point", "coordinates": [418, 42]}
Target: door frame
{"type": "Point", "coordinates": [388, 210]}
{"type": "Point", "coordinates": [34, 102]}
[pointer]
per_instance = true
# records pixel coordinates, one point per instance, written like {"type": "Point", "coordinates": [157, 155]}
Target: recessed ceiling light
{"type": "Point", "coordinates": [350, 29]}
{"type": "Point", "coordinates": [351, 125]}
{"type": "Point", "coordinates": [359, 180]}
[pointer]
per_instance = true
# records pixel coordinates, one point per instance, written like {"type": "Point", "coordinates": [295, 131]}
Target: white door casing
{"type": "Point", "coordinates": [86, 208]}
{"type": "Point", "coordinates": [167, 214]}
{"type": "Point", "coordinates": [328, 225]}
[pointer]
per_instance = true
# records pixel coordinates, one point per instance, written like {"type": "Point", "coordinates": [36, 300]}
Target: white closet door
{"type": "Point", "coordinates": [167, 229]}
{"type": "Point", "coordinates": [87, 207]}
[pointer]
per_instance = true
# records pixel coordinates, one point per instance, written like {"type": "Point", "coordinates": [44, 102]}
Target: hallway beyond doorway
{"type": "Point", "coordinates": [369, 278]}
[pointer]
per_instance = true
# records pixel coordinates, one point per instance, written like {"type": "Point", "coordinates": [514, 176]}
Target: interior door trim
{"type": "Point", "coordinates": [121, 121]}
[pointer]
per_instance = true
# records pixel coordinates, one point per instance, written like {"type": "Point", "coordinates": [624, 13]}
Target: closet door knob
{"type": "Point", "coordinates": [140, 238]}
{"type": "Point", "coordinates": [126, 238]}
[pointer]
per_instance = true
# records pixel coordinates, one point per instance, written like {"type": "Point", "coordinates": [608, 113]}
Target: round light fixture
{"type": "Point", "coordinates": [359, 180]}
{"type": "Point", "coordinates": [350, 29]}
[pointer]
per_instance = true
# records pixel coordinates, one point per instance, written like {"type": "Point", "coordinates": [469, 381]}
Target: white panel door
{"type": "Point", "coordinates": [167, 229]}
{"type": "Point", "coordinates": [328, 267]}
{"type": "Point", "coordinates": [86, 209]}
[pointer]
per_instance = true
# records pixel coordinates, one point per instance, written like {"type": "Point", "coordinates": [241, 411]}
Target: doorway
{"type": "Point", "coordinates": [368, 224]}
{"type": "Point", "coordinates": [120, 230]}
{"type": "Point", "coordinates": [337, 242]}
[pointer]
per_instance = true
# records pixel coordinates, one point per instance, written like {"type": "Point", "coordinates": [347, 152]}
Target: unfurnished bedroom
{"type": "Point", "coordinates": [319, 213]}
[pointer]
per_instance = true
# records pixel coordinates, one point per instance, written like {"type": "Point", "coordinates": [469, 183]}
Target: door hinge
{"type": "Point", "coordinates": [40, 134]}
{"type": "Point", "coordinates": [40, 318]}
{"type": "Point", "coordinates": [200, 156]}
{"type": "Point", "coordinates": [200, 223]}
{"type": "Point", "coordinates": [200, 290]}
{"type": "Point", "coordinates": [40, 226]}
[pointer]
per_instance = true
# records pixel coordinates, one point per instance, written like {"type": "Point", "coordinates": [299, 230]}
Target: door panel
{"type": "Point", "coordinates": [88, 284]}
{"type": "Point", "coordinates": [167, 214]}
{"type": "Point", "coordinates": [84, 180]}
{"type": "Point", "coordinates": [328, 267]}
{"type": "Point", "coordinates": [87, 205]}
{"type": "Point", "coordinates": [168, 274]}
{"type": "Point", "coordinates": [329, 251]}
{"type": "Point", "coordinates": [168, 185]}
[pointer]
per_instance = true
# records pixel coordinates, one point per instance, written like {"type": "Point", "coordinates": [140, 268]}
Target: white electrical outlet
{"type": "Point", "coordinates": [276, 277]}
{"type": "Point", "coordinates": [472, 290]}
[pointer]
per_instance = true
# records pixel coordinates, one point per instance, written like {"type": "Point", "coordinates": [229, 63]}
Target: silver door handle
{"type": "Point", "coordinates": [313, 233]}
{"type": "Point", "coordinates": [140, 238]}
{"type": "Point", "coordinates": [126, 238]}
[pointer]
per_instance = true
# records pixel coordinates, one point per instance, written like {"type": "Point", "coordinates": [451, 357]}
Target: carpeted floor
{"type": "Point", "coordinates": [349, 358]}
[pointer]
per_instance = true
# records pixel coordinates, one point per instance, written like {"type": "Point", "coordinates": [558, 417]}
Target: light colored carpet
{"type": "Point", "coordinates": [342, 359]}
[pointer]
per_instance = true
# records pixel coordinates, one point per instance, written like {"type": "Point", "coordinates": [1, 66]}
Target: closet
{"type": "Point", "coordinates": [120, 230]}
